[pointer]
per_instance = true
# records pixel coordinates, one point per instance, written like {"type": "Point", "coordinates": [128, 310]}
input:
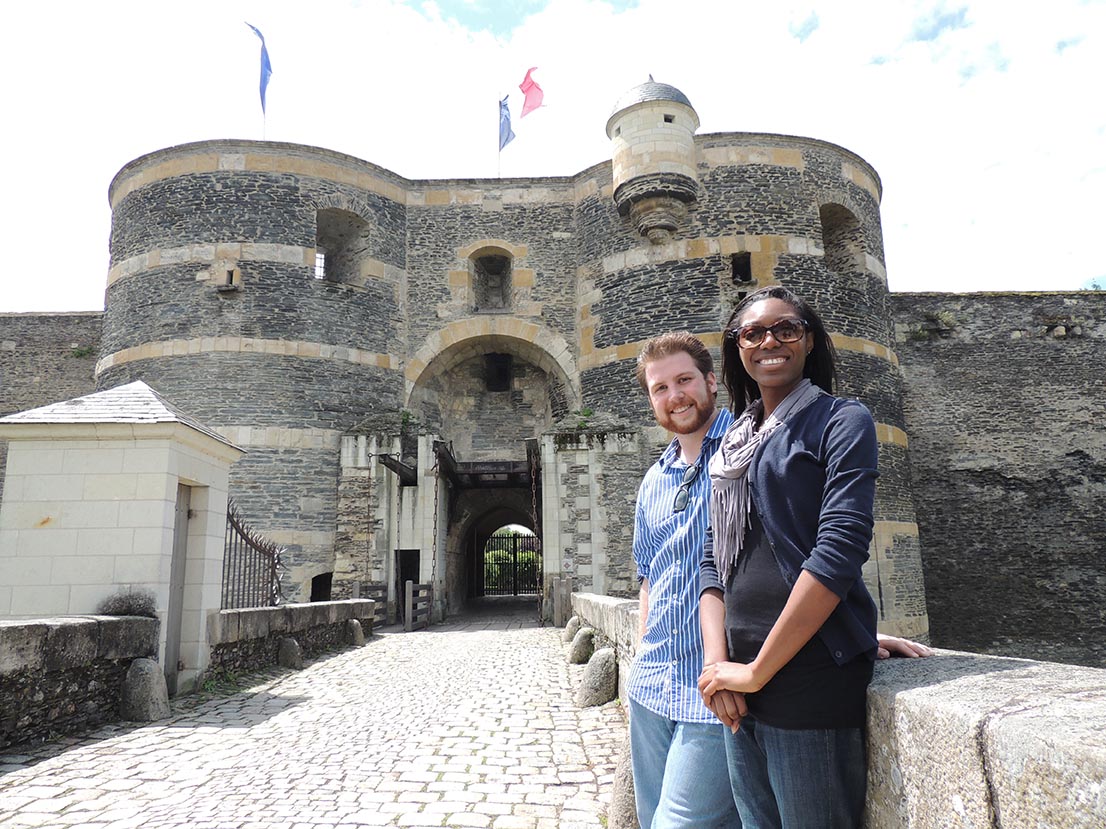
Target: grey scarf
{"type": "Point", "coordinates": [729, 500]}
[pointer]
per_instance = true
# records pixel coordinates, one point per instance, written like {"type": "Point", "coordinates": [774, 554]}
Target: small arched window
{"type": "Point", "coordinates": [341, 242]}
{"type": "Point", "coordinates": [491, 281]}
{"type": "Point", "coordinates": [842, 240]}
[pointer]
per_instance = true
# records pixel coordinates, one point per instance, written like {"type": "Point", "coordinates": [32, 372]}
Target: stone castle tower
{"type": "Point", "coordinates": [414, 364]}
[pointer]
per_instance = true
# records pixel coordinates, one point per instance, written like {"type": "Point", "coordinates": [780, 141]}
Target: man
{"type": "Point", "coordinates": [676, 743]}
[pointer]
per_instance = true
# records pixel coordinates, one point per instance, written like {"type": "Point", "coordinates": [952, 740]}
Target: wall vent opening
{"type": "Point", "coordinates": [497, 372]}
{"type": "Point", "coordinates": [741, 265]}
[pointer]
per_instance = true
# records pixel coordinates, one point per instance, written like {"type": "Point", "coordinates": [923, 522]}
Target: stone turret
{"type": "Point", "coordinates": [652, 129]}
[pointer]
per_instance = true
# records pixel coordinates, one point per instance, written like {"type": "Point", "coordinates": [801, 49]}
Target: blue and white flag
{"type": "Point", "coordinates": [506, 134]}
{"type": "Point", "coordinates": [266, 66]}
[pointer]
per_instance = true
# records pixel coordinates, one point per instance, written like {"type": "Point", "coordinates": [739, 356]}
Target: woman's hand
{"type": "Point", "coordinates": [894, 646]}
{"type": "Point", "coordinates": [727, 676]}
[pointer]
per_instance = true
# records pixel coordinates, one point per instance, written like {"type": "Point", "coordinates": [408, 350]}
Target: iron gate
{"type": "Point", "coordinates": [251, 566]}
{"type": "Point", "coordinates": [512, 565]}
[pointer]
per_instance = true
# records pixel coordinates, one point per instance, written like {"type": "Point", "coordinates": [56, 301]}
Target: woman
{"type": "Point", "coordinates": [786, 618]}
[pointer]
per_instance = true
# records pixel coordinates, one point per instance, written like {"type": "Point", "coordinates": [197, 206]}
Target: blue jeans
{"type": "Point", "coordinates": [679, 773]}
{"type": "Point", "coordinates": [797, 778]}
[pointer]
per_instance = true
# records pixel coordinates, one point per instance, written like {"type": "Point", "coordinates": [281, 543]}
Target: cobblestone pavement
{"type": "Point", "coordinates": [469, 723]}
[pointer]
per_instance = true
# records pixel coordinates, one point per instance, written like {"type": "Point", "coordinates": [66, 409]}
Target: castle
{"type": "Point", "coordinates": [412, 365]}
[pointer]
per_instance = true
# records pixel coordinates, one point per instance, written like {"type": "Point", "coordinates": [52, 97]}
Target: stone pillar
{"type": "Point", "coordinates": [588, 520]}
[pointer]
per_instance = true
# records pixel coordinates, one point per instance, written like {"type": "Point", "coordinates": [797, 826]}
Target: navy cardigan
{"type": "Point", "coordinates": [813, 485]}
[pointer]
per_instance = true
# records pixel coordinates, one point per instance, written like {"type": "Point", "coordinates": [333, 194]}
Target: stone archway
{"type": "Point", "coordinates": [490, 396]}
{"type": "Point", "coordinates": [477, 515]}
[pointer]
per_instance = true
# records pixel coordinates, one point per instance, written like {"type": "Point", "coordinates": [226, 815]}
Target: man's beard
{"type": "Point", "coordinates": [703, 410]}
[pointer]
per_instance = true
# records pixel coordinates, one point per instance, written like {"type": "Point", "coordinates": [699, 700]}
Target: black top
{"type": "Point", "coordinates": [810, 691]}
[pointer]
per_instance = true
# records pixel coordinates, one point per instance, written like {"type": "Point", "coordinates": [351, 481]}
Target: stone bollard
{"type": "Point", "coordinates": [289, 653]}
{"type": "Point", "coordinates": [600, 684]}
{"type": "Point", "coordinates": [145, 696]}
{"type": "Point", "coordinates": [583, 645]}
{"type": "Point", "coordinates": [354, 634]}
{"type": "Point", "coordinates": [571, 628]}
{"type": "Point", "coordinates": [622, 813]}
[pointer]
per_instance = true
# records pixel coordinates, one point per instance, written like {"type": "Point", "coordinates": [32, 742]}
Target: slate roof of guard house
{"type": "Point", "coordinates": [134, 402]}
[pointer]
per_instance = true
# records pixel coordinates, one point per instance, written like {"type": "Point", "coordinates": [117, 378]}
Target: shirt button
{"type": "Point", "coordinates": [838, 654]}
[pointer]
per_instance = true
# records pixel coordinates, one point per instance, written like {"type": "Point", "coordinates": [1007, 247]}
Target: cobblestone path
{"type": "Point", "coordinates": [470, 723]}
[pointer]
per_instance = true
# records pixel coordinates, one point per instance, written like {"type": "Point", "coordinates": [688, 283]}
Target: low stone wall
{"type": "Point", "coordinates": [59, 676]}
{"type": "Point", "coordinates": [960, 740]}
{"type": "Point", "coordinates": [246, 640]}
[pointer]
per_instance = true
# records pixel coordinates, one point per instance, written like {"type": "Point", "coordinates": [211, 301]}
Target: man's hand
{"type": "Point", "coordinates": [730, 708]}
{"type": "Point", "coordinates": [894, 646]}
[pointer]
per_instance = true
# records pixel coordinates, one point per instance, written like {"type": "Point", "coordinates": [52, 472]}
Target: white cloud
{"type": "Point", "coordinates": [988, 137]}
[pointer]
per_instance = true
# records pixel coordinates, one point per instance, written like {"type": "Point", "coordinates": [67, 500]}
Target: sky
{"type": "Point", "coordinates": [986, 121]}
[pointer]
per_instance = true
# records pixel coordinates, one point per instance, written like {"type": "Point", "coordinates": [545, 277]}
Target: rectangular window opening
{"type": "Point", "coordinates": [668, 119]}
{"type": "Point", "coordinates": [497, 372]}
{"type": "Point", "coordinates": [320, 264]}
{"type": "Point", "coordinates": [742, 267]}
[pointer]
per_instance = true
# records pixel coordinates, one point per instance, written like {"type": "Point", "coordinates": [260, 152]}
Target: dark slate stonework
{"type": "Point", "coordinates": [60, 677]}
{"type": "Point", "coordinates": [907, 589]}
{"type": "Point", "coordinates": [1005, 401]}
{"type": "Point", "coordinates": [846, 305]}
{"type": "Point", "coordinates": [613, 388]}
{"type": "Point", "coordinates": [872, 381]}
{"type": "Point", "coordinates": [387, 219]}
{"type": "Point", "coordinates": [894, 501]}
{"type": "Point", "coordinates": [639, 303]}
{"type": "Point", "coordinates": [213, 207]}
{"type": "Point", "coordinates": [618, 481]}
{"type": "Point", "coordinates": [45, 358]}
{"type": "Point", "coordinates": [287, 489]}
{"type": "Point", "coordinates": [766, 198]}
{"type": "Point", "coordinates": [223, 389]}
{"type": "Point", "coordinates": [435, 234]}
{"type": "Point", "coordinates": [277, 302]}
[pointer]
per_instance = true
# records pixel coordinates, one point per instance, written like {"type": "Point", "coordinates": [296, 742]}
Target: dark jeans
{"type": "Point", "coordinates": [797, 778]}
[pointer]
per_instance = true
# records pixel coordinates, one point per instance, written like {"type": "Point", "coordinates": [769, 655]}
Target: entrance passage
{"type": "Point", "coordinates": [512, 562]}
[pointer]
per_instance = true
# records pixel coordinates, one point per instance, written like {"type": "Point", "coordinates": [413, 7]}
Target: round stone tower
{"type": "Point", "coordinates": [257, 286]}
{"type": "Point", "coordinates": [652, 130]}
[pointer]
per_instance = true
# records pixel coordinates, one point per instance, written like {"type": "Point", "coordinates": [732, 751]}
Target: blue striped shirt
{"type": "Point", "coordinates": [668, 547]}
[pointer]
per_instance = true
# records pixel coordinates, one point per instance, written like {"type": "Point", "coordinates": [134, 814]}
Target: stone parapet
{"type": "Point", "coordinates": [247, 639]}
{"type": "Point", "coordinates": [63, 675]}
{"type": "Point", "coordinates": [959, 739]}
{"type": "Point", "coordinates": [618, 621]}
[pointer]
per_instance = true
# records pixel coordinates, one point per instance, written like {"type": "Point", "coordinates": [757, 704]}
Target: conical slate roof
{"type": "Point", "coordinates": [651, 90]}
{"type": "Point", "coordinates": [130, 403]}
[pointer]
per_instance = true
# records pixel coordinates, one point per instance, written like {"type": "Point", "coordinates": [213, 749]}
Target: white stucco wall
{"type": "Point", "coordinates": [89, 509]}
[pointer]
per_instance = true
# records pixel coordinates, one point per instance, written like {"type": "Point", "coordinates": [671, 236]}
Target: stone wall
{"type": "Point", "coordinates": [1005, 405]}
{"type": "Point", "coordinates": [45, 358]}
{"type": "Point", "coordinates": [65, 675]}
{"type": "Point", "coordinates": [959, 740]}
{"type": "Point", "coordinates": [247, 639]}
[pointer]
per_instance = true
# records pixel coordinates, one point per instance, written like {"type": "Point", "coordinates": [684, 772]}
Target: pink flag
{"type": "Point", "coordinates": [532, 92]}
